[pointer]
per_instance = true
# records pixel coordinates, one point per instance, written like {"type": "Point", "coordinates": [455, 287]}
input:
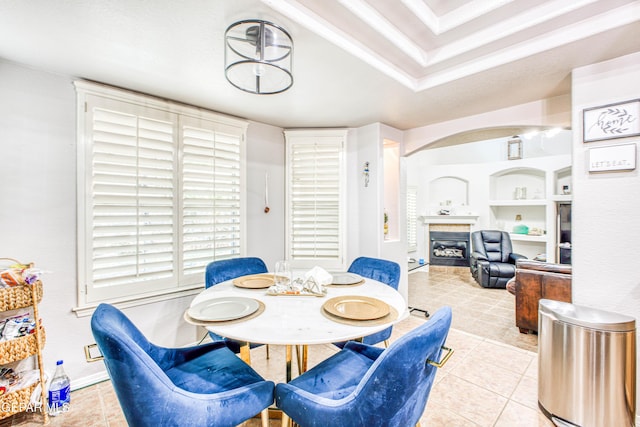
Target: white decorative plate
{"type": "Point", "coordinates": [226, 308]}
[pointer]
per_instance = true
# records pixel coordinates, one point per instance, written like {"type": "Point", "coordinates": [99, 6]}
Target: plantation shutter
{"type": "Point", "coordinates": [132, 199]}
{"type": "Point", "coordinates": [211, 190]}
{"type": "Point", "coordinates": [160, 195]}
{"type": "Point", "coordinates": [315, 201]}
{"type": "Point", "coordinates": [412, 233]}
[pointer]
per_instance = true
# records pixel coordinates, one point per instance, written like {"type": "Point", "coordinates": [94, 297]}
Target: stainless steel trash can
{"type": "Point", "coordinates": [586, 366]}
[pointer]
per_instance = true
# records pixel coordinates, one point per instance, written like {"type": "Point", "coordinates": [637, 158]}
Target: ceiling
{"type": "Point", "coordinates": [405, 63]}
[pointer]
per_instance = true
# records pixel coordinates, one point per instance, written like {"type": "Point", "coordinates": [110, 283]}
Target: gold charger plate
{"type": "Point", "coordinates": [392, 316]}
{"type": "Point", "coordinates": [254, 281]}
{"type": "Point", "coordinates": [356, 307]}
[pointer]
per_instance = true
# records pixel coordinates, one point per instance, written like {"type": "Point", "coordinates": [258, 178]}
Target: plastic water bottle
{"type": "Point", "coordinates": [59, 391]}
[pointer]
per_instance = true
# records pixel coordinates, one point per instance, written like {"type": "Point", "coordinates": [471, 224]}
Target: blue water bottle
{"type": "Point", "coordinates": [59, 391]}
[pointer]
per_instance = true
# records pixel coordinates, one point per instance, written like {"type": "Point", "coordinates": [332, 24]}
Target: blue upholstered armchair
{"type": "Point", "coordinates": [206, 385]}
{"type": "Point", "coordinates": [384, 271]}
{"type": "Point", "coordinates": [369, 386]}
{"type": "Point", "coordinates": [227, 269]}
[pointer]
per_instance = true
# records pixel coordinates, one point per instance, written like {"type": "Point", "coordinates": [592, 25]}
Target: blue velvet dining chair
{"type": "Point", "coordinates": [206, 385]}
{"type": "Point", "coordinates": [227, 269]}
{"type": "Point", "coordinates": [364, 385]}
{"type": "Point", "coordinates": [387, 272]}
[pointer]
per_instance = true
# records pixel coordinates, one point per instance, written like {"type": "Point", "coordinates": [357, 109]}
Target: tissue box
{"type": "Point", "coordinates": [521, 229]}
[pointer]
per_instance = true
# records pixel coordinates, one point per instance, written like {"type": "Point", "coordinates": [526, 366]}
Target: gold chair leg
{"type": "Point", "coordinates": [288, 362]}
{"type": "Point", "coordinates": [386, 343]}
{"type": "Point", "coordinates": [267, 350]}
{"type": "Point", "coordinates": [245, 355]}
{"type": "Point", "coordinates": [418, 425]}
{"type": "Point", "coordinates": [302, 353]}
{"type": "Point", "coordinates": [286, 421]}
{"type": "Point", "coordinates": [264, 416]}
{"type": "Point", "coordinates": [299, 360]}
{"type": "Point", "coordinates": [305, 357]}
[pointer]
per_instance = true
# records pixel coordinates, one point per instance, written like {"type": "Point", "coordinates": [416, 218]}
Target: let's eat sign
{"type": "Point", "coordinates": [612, 158]}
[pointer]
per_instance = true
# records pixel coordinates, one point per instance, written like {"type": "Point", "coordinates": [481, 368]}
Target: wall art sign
{"type": "Point", "coordinates": [612, 121]}
{"type": "Point", "coordinates": [612, 158]}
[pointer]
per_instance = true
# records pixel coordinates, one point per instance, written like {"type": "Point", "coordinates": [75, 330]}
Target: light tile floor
{"type": "Point", "coordinates": [491, 380]}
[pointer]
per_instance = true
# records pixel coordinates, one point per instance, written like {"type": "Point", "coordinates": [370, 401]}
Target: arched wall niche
{"type": "Point", "coordinates": [449, 191]}
{"type": "Point", "coordinates": [505, 182]}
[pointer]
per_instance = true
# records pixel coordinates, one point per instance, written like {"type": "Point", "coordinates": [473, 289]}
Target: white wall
{"type": "Point", "coordinates": [606, 230]}
{"type": "Point", "coordinates": [366, 204]}
{"type": "Point", "coordinates": [265, 156]}
{"type": "Point", "coordinates": [606, 205]}
{"type": "Point", "coordinates": [38, 213]}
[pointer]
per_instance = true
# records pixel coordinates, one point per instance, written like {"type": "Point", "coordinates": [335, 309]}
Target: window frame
{"type": "Point", "coordinates": [184, 113]}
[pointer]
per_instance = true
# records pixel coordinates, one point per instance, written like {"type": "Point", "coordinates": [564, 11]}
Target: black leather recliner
{"type": "Point", "coordinates": [492, 260]}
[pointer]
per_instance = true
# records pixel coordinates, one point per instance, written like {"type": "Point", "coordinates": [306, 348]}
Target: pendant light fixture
{"type": "Point", "coordinates": [258, 57]}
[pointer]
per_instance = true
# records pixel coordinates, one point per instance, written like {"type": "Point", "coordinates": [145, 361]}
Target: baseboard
{"type": "Point", "coordinates": [422, 268]}
{"type": "Point", "coordinates": [89, 380]}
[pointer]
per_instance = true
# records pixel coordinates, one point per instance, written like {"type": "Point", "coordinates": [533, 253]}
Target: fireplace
{"type": "Point", "coordinates": [449, 248]}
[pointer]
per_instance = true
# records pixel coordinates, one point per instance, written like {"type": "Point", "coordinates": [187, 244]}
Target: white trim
{"type": "Point", "coordinates": [602, 22]}
{"type": "Point", "coordinates": [89, 380]}
{"type": "Point", "coordinates": [375, 20]}
{"type": "Point", "coordinates": [99, 89]}
{"type": "Point", "coordinates": [456, 17]}
{"type": "Point", "coordinates": [298, 13]}
{"type": "Point", "coordinates": [126, 302]}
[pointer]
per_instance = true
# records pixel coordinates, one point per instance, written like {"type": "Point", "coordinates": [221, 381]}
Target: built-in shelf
{"type": "Point", "coordinates": [522, 202]}
{"type": "Point", "coordinates": [561, 197]}
{"type": "Point", "coordinates": [544, 188]}
{"type": "Point", "coordinates": [449, 219]}
{"type": "Point", "coordinates": [527, 237]}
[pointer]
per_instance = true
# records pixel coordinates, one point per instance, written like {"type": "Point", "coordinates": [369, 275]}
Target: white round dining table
{"type": "Point", "coordinates": [298, 320]}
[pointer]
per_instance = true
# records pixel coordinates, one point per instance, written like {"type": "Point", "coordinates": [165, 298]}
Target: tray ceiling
{"type": "Point", "coordinates": [405, 63]}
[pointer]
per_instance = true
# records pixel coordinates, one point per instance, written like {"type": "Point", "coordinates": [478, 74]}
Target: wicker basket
{"type": "Point", "coordinates": [19, 296]}
{"type": "Point", "coordinates": [15, 402]}
{"type": "Point", "coordinates": [20, 348]}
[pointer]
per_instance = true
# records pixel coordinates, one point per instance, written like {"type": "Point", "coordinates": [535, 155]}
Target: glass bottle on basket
{"type": "Point", "coordinates": [59, 391]}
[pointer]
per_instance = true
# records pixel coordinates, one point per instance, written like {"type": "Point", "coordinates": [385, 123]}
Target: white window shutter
{"type": "Point", "coordinates": [159, 195]}
{"type": "Point", "coordinates": [132, 192]}
{"type": "Point", "coordinates": [315, 201]}
{"type": "Point", "coordinates": [211, 197]}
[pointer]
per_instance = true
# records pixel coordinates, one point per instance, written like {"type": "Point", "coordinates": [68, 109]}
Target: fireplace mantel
{"type": "Point", "coordinates": [448, 219]}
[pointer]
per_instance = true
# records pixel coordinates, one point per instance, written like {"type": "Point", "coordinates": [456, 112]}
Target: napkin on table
{"type": "Point", "coordinates": [321, 276]}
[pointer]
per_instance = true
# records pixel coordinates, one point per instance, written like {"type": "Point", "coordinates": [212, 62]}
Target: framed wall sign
{"type": "Point", "coordinates": [612, 158]}
{"type": "Point", "coordinates": [514, 148]}
{"type": "Point", "coordinates": [611, 121]}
